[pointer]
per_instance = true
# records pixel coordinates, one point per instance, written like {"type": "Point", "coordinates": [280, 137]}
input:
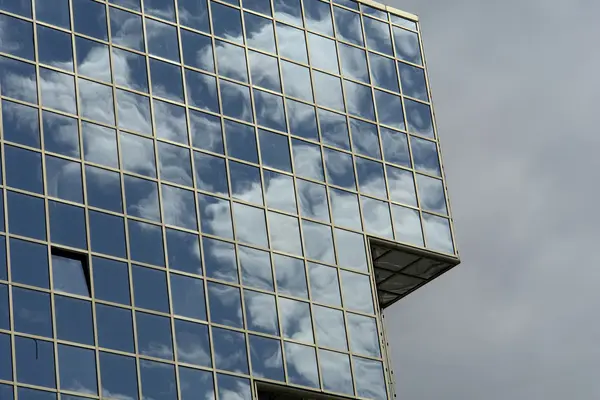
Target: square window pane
{"type": "Point", "coordinates": [35, 362]}
{"type": "Point", "coordinates": [150, 288]}
{"type": "Point", "coordinates": [61, 134]}
{"type": "Point", "coordinates": [58, 91]}
{"type": "Point", "coordinates": [250, 225]}
{"type": "Point", "coordinates": [107, 234]}
{"type": "Point", "coordinates": [236, 101]}
{"type": "Point", "coordinates": [318, 16]}
{"type": "Point", "coordinates": [129, 69]}
{"type": "Point", "coordinates": [219, 259]}
{"type": "Point", "coordinates": [26, 215]}
{"type": "Point", "coordinates": [115, 328]}
{"type": "Point", "coordinates": [197, 50]}
{"type": "Point", "coordinates": [266, 356]}
{"type": "Point", "coordinates": [29, 263]}
{"type": "Point", "coordinates": [225, 305]}
{"type": "Point", "coordinates": [330, 328]}
{"type": "Point", "coordinates": [245, 182]}
{"type": "Point", "coordinates": [89, 18]}
{"type": "Point", "coordinates": [356, 292]}
{"type": "Point", "coordinates": [256, 268]}
{"type": "Point", "coordinates": [351, 250]}
{"type": "Point", "coordinates": [119, 376]}
{"type": "Point", "coordinates": [418, 118]}
{"type": "Point", "coordinates": [407, 225]}
{"type": "Point", "coordinates": [20, 123]}
{"type": "Point", "coordinates": [413, 81]}
{"type": "Point", "coordinates": [431, 194]}
{"type": "Point", "coordinates": [31, 311]}
{"type": "Point", "coordinates": [295, 320]}
{"type": "Point", "coordinates": [328, 91]}
{"type": "Point", "coordinates": [111, 280]}
{"type": "Point", "coordinates": [369, 378]}
{"type": "Point", "coordinates": [126, 29]}
{"type": "Point", "coordinates": [264, 71]}
{"type": "Point", "coordinates": [103, 189]}
{"type": "Point", "coordinates": [296, 81]}
{"type": "Point", "coordinates": [354, 63]}
{"type": "Point", "coordinates": [226, 22]}
{"type": "Point", "coordinates": [288, 11]}
{"type": "Point", "coordinates": [365, 139]}
{"type": "Point", "coordinates": [13, 74]}
{"type": "Point", "coordinates": [194, 13]}
{"type": "Point", "coordinates": [96, 101]}
{"type": "Point", "coordinates": [74, 320]}
{"type": "Point", "coordinates": [401, 186]}
{"type": "Point", "coordinates": [376, 215]}
{"type": "Point", "coordinates": [154, 335]}
{"type": "Point", "coordinates": [137, 154]}
{"type": "Point", "coordinates": [196, 384]}
{"type": "Point", "coordinates": [285, 233]}
{"type": "Point", "coordinates": [134, 112]}
{"type": "Point", "coordinates": [313, 200]}
{"type": "Point", "coordinates": [77, 368]}
{"type": "Point", "coordinates": [201, 91]}
{"type": "Point", "coordinates": [192, 343]}
{"type": "Point", "coordinates": [340, 169]}
{"type": "Point", "coordinates": [307, 160]}
{"type": "Point", "coordinates": [145, 243]}
{"type": "Point", "coordinates": [231, 61]}
{"type": "Point", "coordinates": [261, 312]}
{"type": "Point", "coordinates": [166, 80]}
{"type": "Point", "coordinates": [323, 53]}
{"type": "Point", "coordinates": [174, 162]}
{"type": "Point", "coordinates": [274, 150]}
{"type": "Point", "coordinates": [215, 216]}
{"type": "Point", "coordinates": [364, 338]}
{"type": "Point", "coordinates": [335, 369]}
{"type": "Point", "coordinates": [141, 196]}
{"type": "Point", "coordinates": [99, 144]}
{"type": "Point", "coordinates": [54, 48]}
{"type": "Point", "coordinates": [437, 233]}
{"type": "Point", "coordinates": [378, 35]}
{"type": "Point", "coordinates": [291, 276]}
{"type": "Point", "coordinates": [17, 7]}
{"type": "Point", "coordinates": [334, 129]}
{"type": "Point", "coordinates": [301, 364]}
{"type": "Point", "coordinates": [158, 380]}
{"type": "Point", "coordinates": [279, 191]}
{"type": "Point", "coordinates": [324, 284]}
{"type": "Point", "coordinates": [71, 233]}
{"type": "Point", "coordinates": [63, 179]}
{"type": "Point", "coordinates": [383, 72]}
{"type": "Point", "coordinates": [407, 46]}
{"type": "Point", "coordinates": [259, 31]}
{"type": "Point", "coordinates": [302, 119]}
{"type": "Point", "coordinates": [371, 179]}
{"type": "Point", "coordinates": [425, 156]}
{"type": "Point", "coordinates": [171, 122]}
{"type": "Point", "coordinates": [211, 173]}
{"type": "Point", "coordinates": [55, 12]}
{"type": "Point", "coordinates": [164, 9]}
{"type": "Point", "coordinates": [395, 147]}
{"type": "Point", "coordinates": [230, 350]}
{"type": "Point", "coordinates": [23, 169]}
{"type": "Point", "coordinates": [184, 252]}
{"type": "Point", "coordinates": [359, 99]}
{"type": "Point", "coordinates": [292, 43]}
{"type": "Point", "coordinates": [69, 273]}
{"type": "Point", "coordinates": [179, 207]}
{"type": "Point", "coordinates": [269, 110]}
{"type": "Point", "coordinates": [389, 109]}
{"type": "Point", "coordinates": [187, 295]}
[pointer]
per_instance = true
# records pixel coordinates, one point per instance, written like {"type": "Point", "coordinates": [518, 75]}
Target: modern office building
{"type": "Point", "coordinates": [211, 199]}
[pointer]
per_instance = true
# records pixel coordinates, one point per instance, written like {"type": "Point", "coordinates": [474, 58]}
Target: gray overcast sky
{"type": "Point", "coordinates": [516, 90]}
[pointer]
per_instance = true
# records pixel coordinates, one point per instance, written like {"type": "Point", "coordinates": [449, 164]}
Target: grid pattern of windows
{"type": "Point", "coordinates": [187, 188]}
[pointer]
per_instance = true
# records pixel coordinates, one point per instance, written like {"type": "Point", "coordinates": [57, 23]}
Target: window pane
{"type": "Point", "coordinates": [425, 156]}
{"type": "Point", "coordinates": [184, 252]}
{"type": "Point", "coordinates": [407, 46]}
{"type": "Point", "coordinates": [231, 61]}
{"type": "Point", "coordinates": [334, 129]}
{"type": "Point", "coordinates": [369, 378]}
{"type": "Point", "coordinates": [318, 16]}
{"type": "Point", "coordinates": [324, 284]}
{"type": "Point", "coordinates": [164, 9]}
{"type": "Point", "coordinates": [63, 179]}
{"type": "Point", "coordinates": [107, 234]}
{"type": "Point", "coordinates": [145, 243]}
{"type": "Point", "coordinates": [418, 118]}
{"type": "Point", "coordinates": [285, 233]}
{"type": "Point", "coordinates": [179, 207]}
{"type": "Point", "coordinates": [356, 291]}
{"type": "Point", "coordinates": [71, 234]}
{"type": "Point", "coordinates": [26, 215]}
{"type": "Point", "coordinates": [126, 29]}
{"type": "Point", "coordinates": [219, 259]}
{"type": "Point", "coordinates": [295, 320]}
{"type": "Point", "coordinates": [301, 365]}
{"type": "Point", "coordinates": [264, 71]}
{"type": "Point", "coordinates": [225, 305]}
{"type": "Point", "coordinates": [302, 119]}
{"type": "Point", "coordinates": [4, 309]}
{"type": "Point", "coordinates": [171, 122]}
{"type": "Point", "coordinates": [279, 192]}
{"type": "Point", "coordinates": [154, 335]}
{"type": "Point", "coordinates": [383, 72]}
{"type": "Point", "coordinates": [103, 189]}
{"type": "Point", "coordinates": [58, 91]}
{"type": "Point", "coordinates": [215, 216]}
{"type": "Point", "coordinates": [376, 215]}
{"type": "Point", "coordinates": [194, 13]}
{"type": "Point", "coordinates": [313, 200]}
{"type": "Point", "coordinates": [201, 92]}
{"type": "Point", "coordinates": [250, 225]}
{"type": "Point", "coordinates": [431, 194]}
{"type": "Point", "coordinates": [20, 123]}
{"type": "Point", "coordinates": [187, 295]}
{"type": "Point", "coordinates": [197, 50]}
{"type": "Point", "coordinates": [318, 242]}
{"type": "Point", "coordinates": [296, 81]}
{"type": "Point", "coordinates": [31, 311]}
{"type": "Point", "coordinates": [261, 312]}
{"type": "Point", "coordinates": [137, 155]}
{"type": "Point", "coordinates": [330, 328]}
{"type": "Point", "coordinates": [29, 263]}
{"type": "Point", "coordinates": [134, 112]}
{"type": "Point", "coordinates": [196, 384]}
{"type": "Point", "coordinates": [158, 380]}
{"type": "Point", "coordinates": [74, 320]}
{"type": "Point", "coordinates": [395, 147]}
{"type": "Point", "coordinates": [166, 80]}
{"type": "Point", "coordinates": [23, 169]}
{"type": "Point", "coordinates": [256, 268]}
{"type": "Point", "coordinates": [61, 134]}
{"type": "Point", "coordinates": [192, 343]}
{"type": "Point", "coordinates": [141, 197]}
{"type": "Point", "coordinates": [111, 280]}
{"type": "Point", "coordinates": [119, 376]}
{"type": "Point", "coordinates": [266, 358]}
{"type": "Point", "coordinates": [3, 264]}
{"type": "Point", "coordinates": [13, 75]}
{"type": "Point", "coordinates": [413, 81]}
{"type": "Point", "coordinates": [99, 144]}
{"type": "Point", "coordinates": [211, 173]}
{"type": "Point", "coordinates": [259, 31]}
{"type": "Point", "coordinates": [77, 368]}
{"type": "Point", "coordinates": [323, 53]}
{"type": "Point", "coordinates": [226, 22]}
{"type": "Point", "coordinates": [55, 12]}
{"type": "Point", "coordinates": [307, 160]}
{"type": "Point", "coordinates": [70, 274]}
{"type": "Point", "coordinates": [130, 69]}
{"type": "Point", "coordinates": [236, 100]}
{"type": "Point", "coordinates": [96, 101]}
{"type": "Point", "coordinates": [35, 362]}
{"type": "Point", "coordinates": [364, 338]}
{"type": "Point", "coordinates": [89, 18]}
{"type": "Point", "coordinates": [230, 350]}
{"type": "Point", "coordinates": [6, 391]}
{"type": "Point", "coordinates": [275, 150]}
{"type": "Point", "coordinates": [175, 164]}
{"type": "Point", "coordinates": [269, 110]}
{"type": "Point", "coordinates": [150, 288]}
{"type": "Point", "coordinates": [115, 328]}
{"type": "Point", "coordinates": [241, 141]}
{"type": "Point", "coordinates": [407, 225]}
{"type": "Point", "coordinates": [335, 369]}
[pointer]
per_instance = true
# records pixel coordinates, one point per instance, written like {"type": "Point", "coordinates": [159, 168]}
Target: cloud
{"type": "Point", "coordinates": [515, 95]}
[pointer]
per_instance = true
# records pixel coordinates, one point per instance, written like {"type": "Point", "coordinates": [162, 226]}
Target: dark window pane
{"type": "Point", "coordinates": [111, 280]}
{"type": "Point", "coordinates": [197, 50]}
{"type": "Point", "coordinates": [154, 335]}
{"type": "Point", "coordinates": [395, 147]}
{"type": "Point", "coordinates": [313, 200]}
{"type": "Point", "coordinates": [256, 268]}
{"type": "Point", "coordinates": [184, 252]}
{"type": "Point", "coordinates": [195, 384]}
{"type": "Point", "coordinates": [259, 32]}
{"type": "Point", "coordinates": [215, 216]}
{"type": "Point", "coordinates": [378, 36]}
{"type": "Point", "coordinates": [389, 109]}
{"type": "Point", "coordinates": [141, 197]}
{"type": "Point", "coordinates": [407, 46]}
{"type": "Point", "coordinates": [269, 110]}
{"type": "Point", "coordinates": [365, 139]}
{"type": "Point", "coordinates": [126, 29]}
{"type": "Point", "coordinates": [35, 362]}
{"type": "Point", "coordinates": [32, 312]}
{"type": "Point", "coordinates": [90, 18]}
{"type": "Point", "coordinates": [340, 169]}
{"type": "Point", "coordinates": [303, 120]}
{"type": "Point", "coordinates": [32, 394]}
{"type": "Point", "coordinates": [267, 361]}
{"type": "Point", "coordinates": [192, 343]}
{"type": "Point", "coordinates": [29, 263]}
{"type": "Point", "coordinates": [241, 141]}
{"type": "Point", "coordinates": [99, 144]}
{"type": "Point", "coordinates": [69, 273]}
{"type": "Point", "coordinates": [245, 183]}
{"type": "Point", "coordinates": [55, 12]}
{"type": "Point", "coordinates": [4, 310]}
{"type": "Point", "coordinates": [26, 216]}
{"type": "Point", "coordinates": [324, 284]}
{"type": "Point", "coordinates": [288, 11]}
{"type": "Point", "coordinates": [107, 234]}
{"type": "Point", "coordinates": [226, 22]}
{"type": "Point", "coordinates": [20, 123]}
{"type": "Point", "coordinates": [164, 9]}
{"type": "Point", "coordinates": [119, 376]}
{"type": "Point", "coordinates": [93, 61]}
{"type": "Point", "coordinates": [334, 129]}
{"type": "Point", "coordinates": [261, 6]}
{"type": "Point", "coordinates": [413, 81]}
{"type": "Point", "coordinates": [130, 70]}
{"type": "Point", "coordinates": [225, 305]}
{"type": "Point", "coordinates": [235, 99]}
{"type": "Point", "coordinates": [194, 13]}
{"type": "Point", "coordinates": [150, 289]}
{"type": "Point", "coordinates": [188, 297]}
{"type": "Point", "coordinates": [166, 80]}
{"type": "Point", "coordinates": [360, 100]}
{"type": "Point", "coordinates": [74, 320]}
{"type": "Point", "coordinates": [234, 387]}
{"type": "Point", "coordinates": [158, 380]}
{"type": "Point", "coordinates": [23, 169]}
{"type": "Point", "coordinates": [211, 174]}
{"type": "Point", "coordinates": [206, 131]}
{"type": "Point", "coordinates": [371, 178]}
{"type": "Point", "coordinates": [115, 328]}
{"type": "Point", "coordinates": [77, 368]}
{"type": "Point", "coordinates": [71, 233]}
{"type": "Point", "coordinates": [354, 63]}
{"type": "Point", "coordinates": [21, 7]}
{"type": "Point", "coordinates": [291, 276]}
{"type": "Point", "coordinates": [179, 207]}
{"type": "Point", "coordinates": [230, 350]}
{"type": "Point", "coordinates": [3, 265]}
{"type": "Point", "coordinates": [54, 48]}
{"type": "Point", "coordinates": [103, 188]}
{"type": "Point", "coordinates": [6, 391]}
{"type": "Point", "coordinates": [219, 260]}
{"type": "Point", "coordinates": [63, 179]}
{"type": "Point", "coordinates": [13, 75]}
{"type": "Point", "coordinates": [145, 243]}
{"type": "Point", "coordinates": [201, 91]}
{"type": "Point", "coordinates": [418, 118]}
{"type": "Point", "coordinates": [61, 134]}
{"type": "Point", "coordinates": [131, 4]}
{"type": "Point", "coordinates": [6, 359]}
{"type": "Point", "coordinates": [383, 72]}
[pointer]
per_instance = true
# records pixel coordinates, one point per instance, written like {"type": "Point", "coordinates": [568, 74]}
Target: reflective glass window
{"type": "Point", "coordinates": [89, 18]}
{"type": "Point", "coordinates": [23, 169]}
{"type": "Point", "coordinates": [63, 179]}
{"type": "Point", "coordinates": [134, 112]}
{"type": "Point", "coordinates": [158, 380]}
{"type": "Point", "coordinates": [291, 276]}
{"type": "Point", "coordinates": [267, 361]}
{"type": "Point", "coordinates": [318, 242]}
{"type": "Point", "coordinates": [322, 51]}
{"type": "Point", "coordinates": [365, 139]}
{"type": "Point", "coordinates": [231, 61]}
{"type": "Point", "coordinates": [20, 123]}
{"type": "Point", "coordinates": [395, 147]}
{"type": "Point", "coordinates": [96, 101]}
{"type": "Point", "coordinates": [194, 13]}
{"type": "Point", "coordinates": [301, 362]}
{"type": "Point", "coordinates": [225, 305]}
{"type": "Point", "coordinates": [164, 9]}
{"type": "Point", "coordinates": [250, 225]}
{"type": "Point", "coordinates": [261, 6]}
{"type": "Point", "coordinates": [93, 61]}
{"type": "Point", "coordinates": [192, 343]}
{"type": "Point", "coordinates": [259, 32]}
{"type": "Point", "coordinates": [324, 284]}
{"type": "Point", "coordinates": [328, 91]}
{"type": "Point", "coordinates": [318, 16]}
{"type": "Point", "coordinates": [130, 69]}
{"type": "Point", "coordinates": [307, 160]}
{"type": "Point", "coordinates": [32, 394]}
{"type": "Point", "coordinates": [264, 71]}
{"type": "Point", "coordinates": [351, 250]}
{"type": "Point", "coordinates": [373, 12]}
{"type": "Point", "coordinates": [285, 233]}
{"type": "Point", "coordinates": [335, 369]}
{"type": "Point", "coordinates": [413, 81]}
{"type": "Point", "coordinates": [369, 378]}
{"type": "Point", "coordinates": [119, 376]}
{"type": "Point", "coordinates": [274, 150]}
{"type": "Point", "coordinates": [378, 36]}
{"type": "Point", "coordinates": [54, 48]}
{"type": "Point", "coordinates": [292, 43]}
{"type": "Point", "coordinates": [255, 268]}
{"type": "Point", "coordinates": [401, 186]}
{"type": "Point", "coordinates": [407, 46]}
{"type": "Point", "coordinates": [230, 350]}
{"type": "Point", "coordinates": [103, 188]}
{"type": "Point", "coordinates": [99, 144]}
{"type": "Point", "coordinates": [115, 328]}
{"type": "Point", "coordinates": [71, 234]}
{"type": "Point", "coordinates": [241, 141]}
{"type": "Point", "coordinates": [226, 22]}
{"type": "Point", "coordinates": [354, 63]}
{"type": "Point", "coordinates": [288, 11]}
{"type": "Point", "coordinates": [179, 207]}
{"type": "Point", "coordinates": [166, 80]}
{"type": "Point", "coordinates": [150, 288]}
{"type": "Point", "coordinates": [197, 50]}
{"type": "Point", "coordinates": [340, 169]}
{"type": "Point", "coordinates": [215, 216]}
{"type": "Point", "coordinates": [61, 134]}
{"type": "Point", "coordinates": [261, 312]}
{"type": "Point", "coordinates": [219, 260]}
{"type": "Point", "coordinates": [145, 243]}
{"type": "Point", "coordinates": [359, 99]}
{"type": "Point", "coordinates": [403, 22]}
{"type": "Point", "coordinates": [107, 234]}
{"type": "Point", "coordinates": [245, 182]}
{"type": "Point", "coordinates": [31, 312]}
{"type": "Point", "coordinates": [195, 383]}
{"type": "Point", "coordinates": [183, 251]}
{"type": "Point", "coordinates": [4, 311]}
{"type": "Point", "coordinates": [356, 292]}
{"type": "Point", "coordinates": [13, 74]}
{"type": "Point", "coordinates": [6, 360]}
{"type": "Point", "coordinates": [131, 4]}
{"type": "Point", "coordinates": [313, 200]}
{"type": "Point", "coordinates": [437, 233]}
{"type": "Point", "coordinates": [233, 387]}
{"type": "Point", "coordinates": [418, 118]}
{"type": "Point", "coordinates": [69, 273]}
{"type": "Point", "coordinates": [296, 81]}
{"type": "Point", "coordinates": [6, 391]}
{"type": "Point", "coordinates": [431, 194]}
{"type": "Point", "coordinates": [389, 109]}
{"type": "Point", "coordinates": [376, 215]}
{"type": "Point", "coordinates": [211, 173]}
{"type": "Point", "coordinates": [141, 196]}
{"type": "Point", "coordinates": [269, 110]}
{"type": "Point", "coordinates": [236, 100]}
{"type": "Point", "coordinates": [22, 7]}
{"type": "Point", "coordinates": [364, 339]}
{"type": "Point", "coordinates": [383, 72]}
{"type": "Point", "coordinates": [407, 225]}
{"type": "Point", "coordinates": [154, 335]}
{"type": "Point", "coordinates": [334, 129]}
{"type": "Point", "coordinates": [55, 12]}
{"type": "Point", "coordinates": [29, 263]}
{"type": "Point", "coordinates": [111, 280]}
{"type": "Point", "coordinates": [171, 122]}
{"type": "Point", "coordinates": [26, 215]}
{"type": "Point", "coordinates": [3, 266]}
{"type": "Point", "coordinates": [74, 320]}
{"type": "Point", "coordinates": [302, 119]}
{"type": "Point", "coordinates": [201, 93]}
{"type": "Point", "coordinates": [126, 29]}
{"type": "Point", "coordinates": [371, 178]}
{"type": "Point", "coordinates": [58, 91]}
{"type": "Point", "coordinates": [348, 26]}
{"type": "Point", "coordinates": [279, 191]}
{"type": "Point", "coordinates": [35, 362]}
{"type": "Point", "coordinates": [187, 296]}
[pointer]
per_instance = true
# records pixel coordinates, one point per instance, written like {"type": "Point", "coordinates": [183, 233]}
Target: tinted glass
{"type": "Point", "coordinates": [115, 328]}
{"type": "Point", "coordinates": [35, 362]}
{"type": "Point", "coordinates": [187, 295]}
{"type": "Point", "coordinates": [154, 335]}
{"type": "Point", "coordinates": [29, 263]}
{"type": "Point", "coordinates": [74, 320]}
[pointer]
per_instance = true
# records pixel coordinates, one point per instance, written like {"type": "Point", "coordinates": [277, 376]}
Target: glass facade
{"type": "Point", "coordinates": [196, 196]}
